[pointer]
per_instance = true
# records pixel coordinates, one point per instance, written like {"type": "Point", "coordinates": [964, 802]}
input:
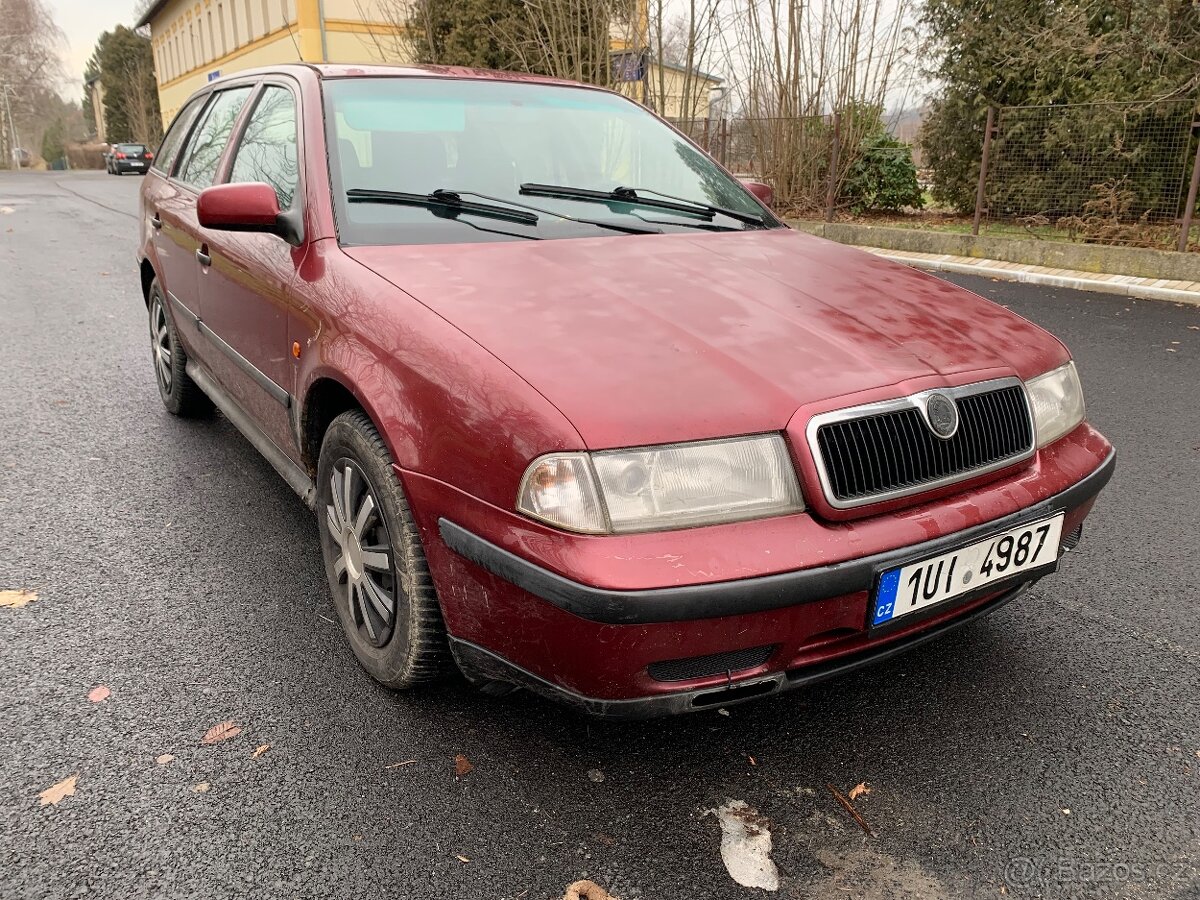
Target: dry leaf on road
{"type": "Point", "coordinates": [52, 796]}
{"type": "Point", "coordinates": [859, 789]}
{"type": "Point", "coordinates": [222, 731]}
{"type": "Point", "coordinates": [461, 858]}
{"type": "Point", "coordinates": [587, 890]}
{"type": "Point", "coordinates": [260, 750]}
{"type": "Point", "coordinates": [99, 694]}
{"type": "Point", "coordinates": [400, 765]}
{"type": "Point", "coordinates": [164, 759]}
{"type": "Point", "coordinates": [462, 765]}
{"type": "Point", "coordinates": [201, 788]}
{"type": "Point", "coordinates": [16, 599]}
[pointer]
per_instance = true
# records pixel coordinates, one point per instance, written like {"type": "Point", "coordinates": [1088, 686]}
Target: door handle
{"type": "Point", "coordinates": [156, 221]}
{"type": "Point", "coordinates": [205, 259]}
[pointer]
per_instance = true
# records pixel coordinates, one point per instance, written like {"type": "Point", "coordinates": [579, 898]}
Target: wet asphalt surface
{"type": "Point", "coordinates": [1051, 750]}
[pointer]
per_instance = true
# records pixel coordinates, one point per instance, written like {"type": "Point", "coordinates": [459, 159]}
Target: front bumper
{"type": "Point", "coordinates": [749, 595]}
{"type": "Point", "coordinates": [631, 626]}
{"type": "Point", "coordinates": [483, 664]}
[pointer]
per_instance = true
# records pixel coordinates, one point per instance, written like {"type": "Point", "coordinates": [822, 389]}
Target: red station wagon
{"type": "Point", "coordinates": [575, 410]}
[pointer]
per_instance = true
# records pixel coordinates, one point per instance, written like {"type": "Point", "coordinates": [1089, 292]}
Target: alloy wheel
{"type": "Point", "coordinates": [363, 551]}
{"type": "Point", "coordinates": [160, 344]}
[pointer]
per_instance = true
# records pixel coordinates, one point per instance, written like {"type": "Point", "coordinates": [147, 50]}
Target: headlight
{"type": "Point", "coordinates": [670, 486]}
{"type": "Point", "coordinates": [1057, 401]}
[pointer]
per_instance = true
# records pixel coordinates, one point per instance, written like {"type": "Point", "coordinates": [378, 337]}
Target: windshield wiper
{"type": "Point", "coordinates": [497, 208]}
{"type": "Point", "coordinates": [613, 226]}
{"type": "Point", "coordinates": [634, 195]}
{"type": "Point", "coordinates": [439, 199]}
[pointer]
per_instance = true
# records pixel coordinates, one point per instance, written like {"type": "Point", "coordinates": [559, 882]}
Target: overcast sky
{"type": "Point", "coordinates": [83, 21]}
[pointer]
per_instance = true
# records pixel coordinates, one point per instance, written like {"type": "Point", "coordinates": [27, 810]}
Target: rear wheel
{"type": "Point", "coordinates": [374, 560]}
{"type": "Point", "coordinates": [179, 393]}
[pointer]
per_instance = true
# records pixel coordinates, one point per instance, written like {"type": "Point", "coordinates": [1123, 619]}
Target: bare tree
{"type": "Point", "coordinates": [141, 105]}
{"type": "Point", "coordinates": [799, 62]}
{"type": "Point", "coordinates": [29, 64]}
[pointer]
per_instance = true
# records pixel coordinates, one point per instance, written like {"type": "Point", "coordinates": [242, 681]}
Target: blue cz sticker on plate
{"type": "Point", "coordinates": [885, 597]}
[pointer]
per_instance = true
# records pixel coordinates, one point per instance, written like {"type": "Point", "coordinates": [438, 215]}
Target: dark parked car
{"type": "Point", "coordinates": [575, 409]}
{"type": "Point", "coordinates": [124, 158]}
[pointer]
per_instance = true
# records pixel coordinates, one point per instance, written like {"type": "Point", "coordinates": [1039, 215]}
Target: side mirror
{"type": "Point", "coordinates": [763, 192]}
{"type": "Point", "coordinates": [246, 206]}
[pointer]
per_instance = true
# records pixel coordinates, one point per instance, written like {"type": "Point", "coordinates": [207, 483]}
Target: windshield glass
{"type": "Point", "coordinates": [418, 135]}
{"type": "Point", "coordinates": [131, 148]}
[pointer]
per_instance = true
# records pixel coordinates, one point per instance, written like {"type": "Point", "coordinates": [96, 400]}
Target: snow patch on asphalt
{"type": "Point", "coordinates": [746, 845]}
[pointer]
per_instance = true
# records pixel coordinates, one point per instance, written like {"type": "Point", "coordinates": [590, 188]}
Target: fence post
{"type": "Point", "coordinates": [1190, 210]}
{"type": "Point", "coordinates": [723, 133]}
{"type": "Point", "coordinates": [983, 167]}
{"type": "Point", "coordinates": [834, 152]}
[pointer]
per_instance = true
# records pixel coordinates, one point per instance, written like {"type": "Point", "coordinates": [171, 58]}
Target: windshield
{"type": "Point", "coordinates": [131, 148]}
{"type": "Point", "coordinates": [419, 135]}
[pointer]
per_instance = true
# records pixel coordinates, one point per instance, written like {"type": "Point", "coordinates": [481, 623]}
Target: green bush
{"type": "Point", "coordinates": [54, 142]}
{"type": "Point", "coordinates": [882, 176]}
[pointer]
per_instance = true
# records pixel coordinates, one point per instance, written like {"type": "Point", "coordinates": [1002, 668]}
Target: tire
{"type": "Point", "coordinates": [180, 395]}
{"type": "Point", "coordinates": [374, 559]}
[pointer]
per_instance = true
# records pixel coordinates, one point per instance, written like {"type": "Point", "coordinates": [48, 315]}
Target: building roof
{"type": "Point", "coordinates": [151, 11]}
{"type": "Point", "coordinates": [706, 76]}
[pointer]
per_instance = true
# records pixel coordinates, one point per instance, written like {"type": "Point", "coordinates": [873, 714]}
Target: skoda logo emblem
{"type": "Point", "coordinates": [942, 415]}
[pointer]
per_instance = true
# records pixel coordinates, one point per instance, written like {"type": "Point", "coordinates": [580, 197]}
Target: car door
{"type": "Point", "coordinates": [196, 170]}
{"type": "Point", "coordinates": [168, 214]}
{"type": "Point", "coordinates": [245, 286]}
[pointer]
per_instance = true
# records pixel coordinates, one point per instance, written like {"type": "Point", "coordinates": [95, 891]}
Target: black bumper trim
{"type": "Point", "coordinates": [748, 595]}
{"type": "Point", "coordinates": [483, 664]}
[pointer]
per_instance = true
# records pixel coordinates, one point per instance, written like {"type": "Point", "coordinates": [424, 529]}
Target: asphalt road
{"type": "Point", "coordinates": [1051, 750]}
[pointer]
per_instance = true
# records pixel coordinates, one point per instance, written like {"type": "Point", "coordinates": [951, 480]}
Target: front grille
{"type": "Point", "coordinates": [713, 664]}
{"type": "Point", "coordinates": [895, 453]}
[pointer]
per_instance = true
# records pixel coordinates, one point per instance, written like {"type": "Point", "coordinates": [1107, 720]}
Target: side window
{"type": "Point", "coordinates": [165, 156]}
{"type": "Point", "coordinates": [199, 166]}
{"type": "Point", "coordinates": [267, 151]}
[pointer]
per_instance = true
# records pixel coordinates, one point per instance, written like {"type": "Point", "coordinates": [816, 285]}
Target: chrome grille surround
{"type": "Point", "coordinates": [910, 403]}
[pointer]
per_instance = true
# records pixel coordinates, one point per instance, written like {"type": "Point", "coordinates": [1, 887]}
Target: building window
{"type": "Point", "coordinates": [237, 38]}
{"type": "Point", "coordinates": [221, 24]}
{"type": "Point", "coordinates": [249, 23]}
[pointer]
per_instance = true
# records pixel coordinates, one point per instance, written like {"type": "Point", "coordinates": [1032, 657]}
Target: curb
{"type": "Point", "coordinates": [1032, 276]}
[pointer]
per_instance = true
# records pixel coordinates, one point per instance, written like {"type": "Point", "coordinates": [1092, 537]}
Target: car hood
{"type": "Point", "coordinates": [641, 340]}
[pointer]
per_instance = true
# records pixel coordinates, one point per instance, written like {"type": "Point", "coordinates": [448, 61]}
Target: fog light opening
{"type": "Point", "coordinates": [733, 694]}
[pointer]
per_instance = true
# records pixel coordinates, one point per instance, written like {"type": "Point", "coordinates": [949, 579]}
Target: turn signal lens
{"type": "Point", "coordinates": [1057, 402]}
{"type": "Point", "coordinates": [560, 489]}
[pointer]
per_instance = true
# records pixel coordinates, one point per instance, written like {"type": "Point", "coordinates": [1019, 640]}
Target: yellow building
{"type": "Point", "coordinates": [197, 41]}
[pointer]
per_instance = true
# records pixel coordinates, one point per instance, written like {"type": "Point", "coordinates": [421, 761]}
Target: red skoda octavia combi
{"type": "Point", "coordinates": [575, 410]}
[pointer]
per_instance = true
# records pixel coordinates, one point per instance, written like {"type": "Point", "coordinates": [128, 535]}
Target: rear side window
{"type": "Point", "coordinates": [165, 157]}
{"type": "Point", "coordinates": [267, 151]}
{"type": "Point", "coordinates": [199, 166]}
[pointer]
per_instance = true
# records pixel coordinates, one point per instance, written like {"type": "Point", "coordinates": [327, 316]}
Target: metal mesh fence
{"type": "Point", "coordinates": [1113, 173]}
{"type": "Point", "coordinates": [1104, 173]}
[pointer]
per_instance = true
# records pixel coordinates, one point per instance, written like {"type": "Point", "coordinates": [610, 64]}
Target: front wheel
{"type": "Point", "coordinates": [180, 395]}
{"type": "Point", "coordinates": [374, 560]}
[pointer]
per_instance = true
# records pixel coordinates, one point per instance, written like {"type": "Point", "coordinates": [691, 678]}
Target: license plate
{"type": "Point", "coordinates": [136, 163]}
{"type": "Point", "coordinates": [909, 589]}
